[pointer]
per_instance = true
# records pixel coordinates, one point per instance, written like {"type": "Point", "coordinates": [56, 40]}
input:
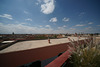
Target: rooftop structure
{"type": "Point", "coordinates": [7, 41]}
{"type": "Point", "coordinates": [25, 45]}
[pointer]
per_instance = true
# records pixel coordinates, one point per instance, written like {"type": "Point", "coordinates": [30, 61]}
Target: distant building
{"type": "Point", "coordinates": [12, 33]}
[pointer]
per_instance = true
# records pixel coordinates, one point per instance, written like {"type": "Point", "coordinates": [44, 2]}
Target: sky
{"type": "Point", "coordinates": [49, 16]}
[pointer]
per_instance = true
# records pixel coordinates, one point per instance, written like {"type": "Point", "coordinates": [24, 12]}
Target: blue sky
{"type": "Point", "coordinates": [49, 16]}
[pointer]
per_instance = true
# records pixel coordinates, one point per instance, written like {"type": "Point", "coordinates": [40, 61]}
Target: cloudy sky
{"type": "Point", "coordinates": [49, 16]}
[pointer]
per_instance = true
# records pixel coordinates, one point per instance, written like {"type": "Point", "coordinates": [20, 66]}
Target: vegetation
{"type": "Point", "coordinates": [88, 56]}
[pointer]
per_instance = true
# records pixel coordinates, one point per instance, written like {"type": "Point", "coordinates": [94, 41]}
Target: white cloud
{"type": "Point", "coordinates": [60, 28]}
{"type": "Point", "coordinates": [98, 25]}
{"type": "Point", "coordinates": [8, 16]}
{"type": "Point", "coordinates": [72, 28]}
{"type": "Point", "coordinates": [26, 12]}
{"type": "Point", "coordinates": [21, 28]}
{"type": "Point", "coordinates": [28, 19]}
{"type": "Point", "coordinates": [64, 26]}
{"type": "Point", "coordinates": [48, 26]}
{"type": "Point", "coordinates": [65, 19]}
{"type": "Point", "coordinates": [82, 13]}
{"type": "Point", "coordinates": [37, 3]}
{"type": "Point", "coordinates": [88, 28]}
{"type": "Point", "coordinates": [53, 19]}
{"type": "Point", "coordinates": [64, 30]}
{"type": "Point", "coordinates": [91, 30]}
{"type": "Point", "coordinates": [90, 23]}
{"type": "Point", "coordinates": [24, 29]}
{"type": "Point", "coordinates": [41, 26]}
{"type": "Point", "coordinates": [80, 25]}
{"type": "Point", "coordinates": [48, 6]}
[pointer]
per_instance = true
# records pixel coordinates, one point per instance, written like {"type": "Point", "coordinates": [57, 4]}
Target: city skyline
{"type": "Point", "coordinates": [49, 16]}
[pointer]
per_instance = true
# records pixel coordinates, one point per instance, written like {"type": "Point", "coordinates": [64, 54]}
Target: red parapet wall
{"type": "Point", "coordinates": [59, 61]}
{"type": "Point", "coordinates": [14, 59]}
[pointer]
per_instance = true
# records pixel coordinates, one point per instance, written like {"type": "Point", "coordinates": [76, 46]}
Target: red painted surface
{"type": "Point", "coordinates": [18, 58]}
{"type": "Point", "coordinates": [60, 60]}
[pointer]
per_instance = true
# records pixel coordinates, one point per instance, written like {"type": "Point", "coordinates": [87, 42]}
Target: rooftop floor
{"type": "Point", "coordinates": [36, 44]}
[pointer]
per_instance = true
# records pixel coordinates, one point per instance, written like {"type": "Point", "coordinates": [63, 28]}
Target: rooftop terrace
{"type": "Point", "coordinates": [25, 45]}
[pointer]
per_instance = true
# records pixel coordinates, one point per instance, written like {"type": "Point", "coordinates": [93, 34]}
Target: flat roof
{"type": "Point", "coordinates": [7, 41]}
{"type": "Point", "coordinates": [25, 45]}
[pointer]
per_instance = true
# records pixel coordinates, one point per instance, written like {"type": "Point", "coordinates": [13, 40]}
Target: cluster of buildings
{"type": "Point", "coordinates": [5, 37]}
{"type": "Point", "coordinates": [21, 37]}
